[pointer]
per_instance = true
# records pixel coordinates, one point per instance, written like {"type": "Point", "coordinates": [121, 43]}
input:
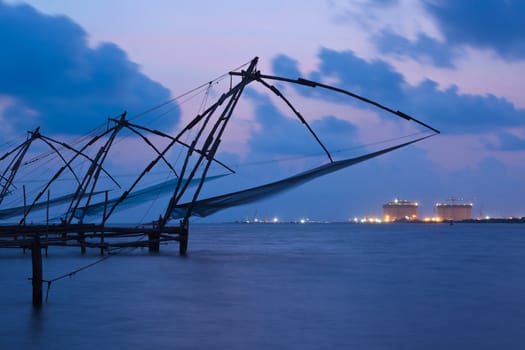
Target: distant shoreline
{"type": "Point", "coordinates": [494, 221]}
{"type": "Point", "coordinates": [466, 221]}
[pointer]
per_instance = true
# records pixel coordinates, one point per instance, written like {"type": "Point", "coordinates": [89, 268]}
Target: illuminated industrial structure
{"type": "Point", "coordinates": [454, 211]}
{"type": "Point", "coordinates": [400, 210]}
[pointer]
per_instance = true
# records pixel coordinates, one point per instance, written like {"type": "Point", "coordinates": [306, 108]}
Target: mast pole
{"type": "Point", "coordinates": [207, 153]}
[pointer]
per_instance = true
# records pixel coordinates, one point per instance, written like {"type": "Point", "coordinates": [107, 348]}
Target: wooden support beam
{"type": "Point", "coordinates": [154, 242]}
{"type": "Point", "coordinates": [82, 241]}
{"type": "Point", "coordinates": [36, 258]}
{"type": "Point", "coordinates": [106, 197]}
{"type": "Point", "coordinates": [183, 244]}
{"type": "Point", "coordinates": [183, 238]}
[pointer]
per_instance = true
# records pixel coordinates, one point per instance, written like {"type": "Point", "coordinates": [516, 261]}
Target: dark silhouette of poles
{"type": "Point", "coordinates": [36, 258]}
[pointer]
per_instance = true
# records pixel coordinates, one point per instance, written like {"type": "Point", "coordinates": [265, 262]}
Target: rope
{"type": "Point", "coordinates": [85, 267]}
{"type": "Point", "coordinates": [319, 154]}
{"type": "Point", "coordinates": [189, 96]}
{"type": "Point", "coordinates": [72, 273]}
{"type": "Point", "coordinates": [186, 93]}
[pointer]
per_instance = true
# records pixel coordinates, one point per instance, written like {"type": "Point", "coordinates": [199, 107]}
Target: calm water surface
{"type": "Point", "coordinates": [283, 286]}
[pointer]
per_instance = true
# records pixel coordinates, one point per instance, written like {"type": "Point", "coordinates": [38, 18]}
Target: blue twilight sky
{"type": "Point", "coordinates": [456, 65]}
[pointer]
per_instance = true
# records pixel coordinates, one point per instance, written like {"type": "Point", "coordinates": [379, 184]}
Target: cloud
{"type": "Point", "coordinates": [458, 113]}
{"type": "Point", "coordinates": [424, 49]}
{"type": "Point", "coordinates": [65, 86]}
{"type": "Point", "coordinates": [287, 67]}
{"type": "Point", "coordinates": [508, 142]}
{"type": "Point", "coordinates": [376, 79]}
{"type": "Point", "coordinates": [460, 25]}
{"type": "Point", "coordinates": [492, 24]}
{"type": "Point", "coordinates": [447, 110]}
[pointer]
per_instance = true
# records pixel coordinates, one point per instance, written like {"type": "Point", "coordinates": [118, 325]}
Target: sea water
{"type": "Point", "coordinates": [281, 286]}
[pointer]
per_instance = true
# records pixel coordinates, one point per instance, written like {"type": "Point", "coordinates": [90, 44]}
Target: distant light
{"type": "Point", "coordinates": [356, 219]}
{"type": "Point", "coordinates": [275, 220]}
{"type": "Point", "coordinates": [487, 217]}
{"type": "Point", "coordinates": [302, 221]}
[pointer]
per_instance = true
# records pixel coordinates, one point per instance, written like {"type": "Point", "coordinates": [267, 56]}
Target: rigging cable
{"type": "Point", "coordinates": [185, 93]}
{"type": "Point", "coordinates": [321, 154]}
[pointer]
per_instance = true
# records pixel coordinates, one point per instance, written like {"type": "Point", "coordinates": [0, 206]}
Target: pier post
{"type": "Point", "coordinates": [82, 241]}
{"type": "Point", "coordinates": [102, 242]}
{"type": "Point", "coordinates": [183, 244]}
{"type": "Point", "coordinates": [183, 238]}
{"type": "Point", "coordinates": [154, 242]}
{"type": "Point", "coordinates": [104, 215]}
{"type": "Point", "coordinates": [154, 237]}
{"type": "Point", "coordinates": [36, 258]}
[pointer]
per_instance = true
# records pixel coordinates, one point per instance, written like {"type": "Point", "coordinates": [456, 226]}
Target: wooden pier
{"type": "Point", "coordinates": [36, 238]}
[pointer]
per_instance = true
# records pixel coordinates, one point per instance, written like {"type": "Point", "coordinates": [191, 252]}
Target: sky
{"type": "Point", "coordinates": [67, 66]}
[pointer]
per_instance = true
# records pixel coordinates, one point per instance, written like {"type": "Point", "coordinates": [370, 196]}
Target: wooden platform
{"type": "Point", "coordinates": [38, 237]}
{"type": "Point", "coordinates": [87, 236]}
